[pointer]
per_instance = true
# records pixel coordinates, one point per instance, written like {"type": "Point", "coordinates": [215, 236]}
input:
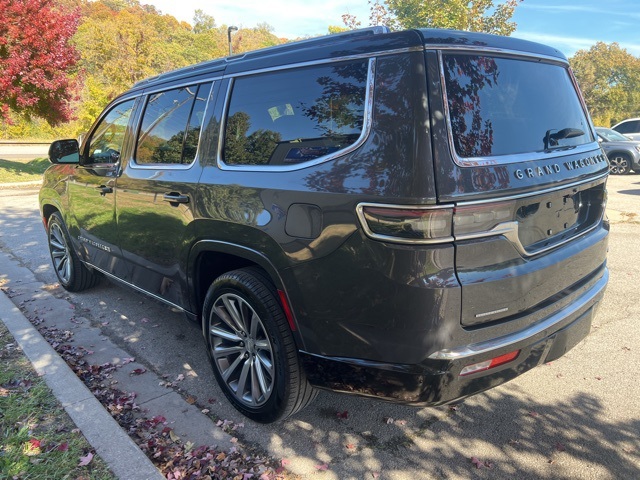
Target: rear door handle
{"type": "Point", "coordinates": [104, 190]}
{"type": "Point", "coordinates": [174, 197]}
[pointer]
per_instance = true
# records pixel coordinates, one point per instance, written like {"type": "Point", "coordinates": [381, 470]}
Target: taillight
{"type": "Point", "coordinates": [478, 219]}
{"type": "Point", "coordinates": [411, 224]}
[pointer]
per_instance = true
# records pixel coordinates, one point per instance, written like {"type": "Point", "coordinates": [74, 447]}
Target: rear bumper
{"type": "Point", "coordinates": [437, 380]}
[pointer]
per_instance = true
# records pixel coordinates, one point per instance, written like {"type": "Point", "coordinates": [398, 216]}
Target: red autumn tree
{"type": "Point", "coordinates": [36, 59]}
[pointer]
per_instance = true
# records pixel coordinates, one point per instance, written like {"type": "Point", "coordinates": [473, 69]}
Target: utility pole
{"type": "Point", "coordinates": [229, 30]}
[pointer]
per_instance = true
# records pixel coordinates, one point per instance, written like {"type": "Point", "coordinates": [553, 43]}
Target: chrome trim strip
{"type": "Point", "coordinates": [324, 61]}
{"type": "Point", "coordinates": [504, 159]}
{"type": "Point", "coordinates": [135, 287]}
{"type": "Point", "coordinates": [366, 130]}
{"type": "Point", "coordinates": [170, 166]}
{"type": "Point", "coordinates": [594, 180]}
{"type": "Point", "coordinates": [494, 50]}
{"type": "Point", "coordinates": [509, 230]}
{"type": "Point", "coordinates": [387, 238]}
{"type": "Point", "coordinates": [539, 328]}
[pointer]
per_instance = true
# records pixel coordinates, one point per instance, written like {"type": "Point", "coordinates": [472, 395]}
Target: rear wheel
{"type": "Point", "coordinates": [72, 274]}
{"type": "Point", "coordinates": [620, 164]}
{"type": "Point", "coordinates": [251, 347]}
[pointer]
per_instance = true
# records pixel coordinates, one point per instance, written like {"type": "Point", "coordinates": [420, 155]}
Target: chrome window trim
{"type": "Point", "coordinates": [134, 165]}
{"type": "Point", "coordinates": [497, 51]}
{"type": "Point", "coordinates": [538, 329]}
{"type": "Point", "coordinates": [364, 134]}
{"type": "Point", "coordinates": [516, 157]}
{"type": "Point", "coordinates": [386, 238]}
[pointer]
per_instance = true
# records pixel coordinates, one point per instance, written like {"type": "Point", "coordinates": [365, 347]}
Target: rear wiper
{"type": "Point", "coordinates": [551, 137]}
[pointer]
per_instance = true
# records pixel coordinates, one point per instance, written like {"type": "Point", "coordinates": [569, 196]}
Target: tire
{"type": "Point", "coordinates": [619, 164]}
{"type": "Point", "coordinates": [72, 274]}
{"type": "Point", "coordinates": [251, 347]}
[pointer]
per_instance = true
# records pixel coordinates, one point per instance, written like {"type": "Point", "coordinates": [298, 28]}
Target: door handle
{"type": "Point", "coordinates": [174, 197]}
{"type": "Point", "coordinates": [104, 190]}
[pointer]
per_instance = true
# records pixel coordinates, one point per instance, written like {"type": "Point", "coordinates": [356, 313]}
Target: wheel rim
{"type": "Point", "coordinates": [241, 350]}
{"type": "Point", "coordinates": [619, 165]}
{"type": "Point", "coordinates": [60, 254]}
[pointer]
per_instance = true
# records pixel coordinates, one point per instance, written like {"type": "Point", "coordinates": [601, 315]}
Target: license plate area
{"type": "Point", "coordinates": [552, 219]}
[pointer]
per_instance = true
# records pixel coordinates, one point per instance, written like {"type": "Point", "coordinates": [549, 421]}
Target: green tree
{"type": "Point", "coordinates": [609, 77]}
{"type": "Point", "coordinates": [202, 22]}
{"type": "Point", "coordinates": [471, 15]}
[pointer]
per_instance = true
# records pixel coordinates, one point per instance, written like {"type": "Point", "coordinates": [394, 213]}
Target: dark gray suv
{"type": "Point", "coordinates": [413, 216]}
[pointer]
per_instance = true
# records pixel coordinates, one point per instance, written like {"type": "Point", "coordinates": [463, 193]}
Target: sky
{"type": "Point", "coordinates": [568, 25]}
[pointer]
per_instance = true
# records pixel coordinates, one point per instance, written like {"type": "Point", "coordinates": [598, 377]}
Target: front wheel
{"type": "Point", "coordinates": [620, 164]}
{"type": "Point", "coordinates": [71, 272]}
{"type": "Point", "coordinates": [251, 347]}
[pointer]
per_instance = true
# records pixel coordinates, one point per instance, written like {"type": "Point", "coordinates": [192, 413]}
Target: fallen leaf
{"type": "Point", "coordinates": [401, 422]}
{"type": "Point", "coordinates": [375, 474]}
{"type": "Point", "coordinates": [144, 320]}
{"type": "Point", "coordinates": [63, 447]}
{"type": "Point", "coordinates": [173, 436]}
{"type": "Point", "coordinates": [191, 400]}
{"type": "Point", "coordinates": [179, 378]}
{"type": "Point", "coordinates": [627, 349]}
{"type": "Point", "coordinates": [205, 410]}
{"type": "Point", "coordinates": [388, 420]}
{"type": "Point", "coordinates": [284, 462]}
{"type": "Point", "coordinates": [86, 460]}
{"type": "Point", "coordinates": [534, 414]}
{"type": "Point", "coordinates": [322, 467]}
{"type": "Point", "coordinates": [560, 447]}
{"type": "Point", "coordinates": [350, 446]}
{"type": "Point", "coordinates": [138, 371]}
{"type": "Point", "coordinates": [477, 462]}
{"type": "Point", "coordinates": [233, 440]}
{"type": "Point", "coordinates": [343, 415]}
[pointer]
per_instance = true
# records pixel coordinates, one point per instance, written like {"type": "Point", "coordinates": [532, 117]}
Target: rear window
{"type": "Point", "coordinates": [505, 106]}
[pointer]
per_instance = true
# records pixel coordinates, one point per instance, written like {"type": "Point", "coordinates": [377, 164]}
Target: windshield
{"type": "Point", "coordinates": [611, 135]}
{"type": "Point", "coordinates": [505, 106]}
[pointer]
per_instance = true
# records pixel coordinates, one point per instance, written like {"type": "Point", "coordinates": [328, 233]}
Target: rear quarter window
{"type": "Point", "coordinates": [505, 106]}
{"type": "Point", "coordinates": [294, 116]}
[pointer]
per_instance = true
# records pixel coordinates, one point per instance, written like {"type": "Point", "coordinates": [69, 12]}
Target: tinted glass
{"type": "Point", "coordinates": [171, 126]}
{"type": "Point", "coordinates": [611, 135]}
{"type": "Point", "coordinates": [107, 139]}
{"type": "Point", "coordinates": [500, 106]}
{"type": "Point", "coordinates": [629, 127]}
{"type": "Point", "coordinates": [294, 116]}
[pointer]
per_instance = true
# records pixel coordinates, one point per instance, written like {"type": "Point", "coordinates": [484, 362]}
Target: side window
{"type": "Point", "coordinates": [629, 127]}
{"type": "Point", "coordinates": [171, 126]}
{"type": "Point", "coordinates": [107, 138]}
{"type": "Point", "coordinates": [295, 116]}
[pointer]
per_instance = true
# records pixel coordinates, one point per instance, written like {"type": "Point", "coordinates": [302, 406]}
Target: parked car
{"type": "Point", "coordinates": [414, 216]}
{"type": "Point", "coordinates": [623, 153]}
{"type": "Point", "coordinates": [629, 127]}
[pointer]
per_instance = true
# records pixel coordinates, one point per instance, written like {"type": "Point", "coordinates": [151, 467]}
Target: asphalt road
{"type": "Point", "coordinates": [578, 417]}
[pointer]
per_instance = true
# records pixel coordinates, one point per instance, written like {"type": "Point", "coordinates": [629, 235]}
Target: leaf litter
{"type": "Point", "coordinates": [175, 459]}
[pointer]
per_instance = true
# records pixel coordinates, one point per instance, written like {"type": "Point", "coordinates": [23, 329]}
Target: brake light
{"type": "Point", "coordinates": [411, 224]}
{"type": "Point", "coordinates": [489, 364]}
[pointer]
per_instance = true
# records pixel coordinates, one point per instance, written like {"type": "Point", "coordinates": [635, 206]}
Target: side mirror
{"type": "Point", "coordinates": [600, 139]}
{"type": "Point", "coordinates": [64, 151]}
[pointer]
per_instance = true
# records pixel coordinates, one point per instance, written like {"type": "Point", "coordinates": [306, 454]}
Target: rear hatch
{"type": "Point", "coordinates": [527, 177]}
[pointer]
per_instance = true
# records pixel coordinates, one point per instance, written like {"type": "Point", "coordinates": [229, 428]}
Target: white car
{"type": "Point", "coordinates": [629, 127]}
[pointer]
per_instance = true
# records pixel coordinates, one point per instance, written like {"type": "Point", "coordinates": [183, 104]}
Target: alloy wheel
{"type": "Point", "coordinates": [60, 254]}
{"type": "Point", "coordinates": [241, 350]}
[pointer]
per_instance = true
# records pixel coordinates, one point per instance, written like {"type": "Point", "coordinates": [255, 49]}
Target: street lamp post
{"type": "Point", "coordinates": [229, 30]}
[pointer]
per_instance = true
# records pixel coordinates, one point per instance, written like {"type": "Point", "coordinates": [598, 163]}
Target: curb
{"type": "Point", "coordinates": [114, 446]}
{"type": "Point", "coordinates": [32, 184]}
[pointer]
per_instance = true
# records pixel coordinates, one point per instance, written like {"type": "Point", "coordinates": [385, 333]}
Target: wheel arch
{"type": "Point", "coordinates": [208, 259]}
